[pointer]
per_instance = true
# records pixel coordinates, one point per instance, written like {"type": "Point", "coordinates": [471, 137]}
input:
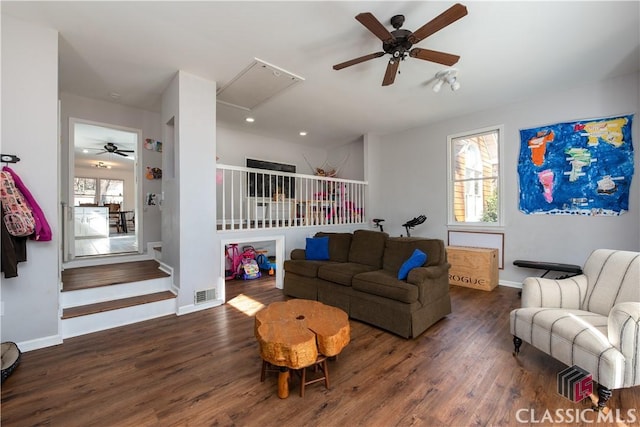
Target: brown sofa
{"type": "Point", "coordinates": [360, 277]}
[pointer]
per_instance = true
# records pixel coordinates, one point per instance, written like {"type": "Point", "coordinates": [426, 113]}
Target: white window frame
{"type": "Point", "coordinates": [451, 222]}
{"type": "Point", "coordinates": [97, 198]}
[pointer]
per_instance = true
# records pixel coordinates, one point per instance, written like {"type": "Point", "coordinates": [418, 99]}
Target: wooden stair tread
{"type": "Point", "coordinates": [84, 310]}
{"type": "Point", "coordinates": [74, 279]}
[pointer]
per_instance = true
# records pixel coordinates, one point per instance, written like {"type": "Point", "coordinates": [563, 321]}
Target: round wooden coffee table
{"type": "Point", "coordinates": [292, 333]}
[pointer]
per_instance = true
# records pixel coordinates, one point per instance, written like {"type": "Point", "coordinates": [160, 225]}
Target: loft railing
{"type": "Point", "coordinates": [250, 199]}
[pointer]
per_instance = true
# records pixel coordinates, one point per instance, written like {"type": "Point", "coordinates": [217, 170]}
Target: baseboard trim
{"type": "Point", "coordinates": [39, 343]}
{"type": "Point", "coordinates": [510, 284]}
{"type": "Point", "coordinates": [164, 267]}
{"type": "Point", "coordinates": [192, 308]}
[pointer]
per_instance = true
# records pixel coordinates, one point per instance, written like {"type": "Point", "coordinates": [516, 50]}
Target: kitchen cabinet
{"type": "Point", "coordinates": [91, 221]}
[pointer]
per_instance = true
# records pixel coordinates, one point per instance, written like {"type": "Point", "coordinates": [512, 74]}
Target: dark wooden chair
{"type": "Point", "coordinates": [114, 216]}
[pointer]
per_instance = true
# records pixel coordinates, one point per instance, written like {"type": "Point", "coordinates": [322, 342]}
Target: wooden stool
{"type": "Point", "coordinates": [321, 363]}
{"type": "Point", "coordinates": [267, 367]}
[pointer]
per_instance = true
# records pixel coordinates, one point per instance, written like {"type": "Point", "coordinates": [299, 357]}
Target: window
{"type": "Point", "coordinates": [85, 191]}
{"type": "Point", "coordinates": [474, 178]}
{"type": "Point", "coordinates": [111, 190]}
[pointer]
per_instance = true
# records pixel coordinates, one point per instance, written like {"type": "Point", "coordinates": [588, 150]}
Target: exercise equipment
{"type": "Point", "coordinates": [413, 222]}
{"type": "Point", "coordinates": [377, 222]}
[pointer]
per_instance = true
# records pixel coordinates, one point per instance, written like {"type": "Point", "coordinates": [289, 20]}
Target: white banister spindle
{"type": "Point", "coordinates": [247, 199]}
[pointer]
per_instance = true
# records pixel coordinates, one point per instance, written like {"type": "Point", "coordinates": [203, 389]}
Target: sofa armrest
{"type": "Point", "coordinates": [623, 329]}
{"type": "Point", "coordinates": [298, 254]}
{"type": "Point", "coordinates": [554, 293]}
{"type": "Point", "coordinates": [432, 282]}
{"type": "Point", "coordinates": [420, 274]}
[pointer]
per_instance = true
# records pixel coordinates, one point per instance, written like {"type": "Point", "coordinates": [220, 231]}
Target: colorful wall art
{"type": "Point", "coordinates": [577, 168]}
{"type": "Point", "coordinates": [153, 145]}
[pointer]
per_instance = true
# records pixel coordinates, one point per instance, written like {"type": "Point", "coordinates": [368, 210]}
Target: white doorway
{"type": "Point", "coordinates": [103, 206]}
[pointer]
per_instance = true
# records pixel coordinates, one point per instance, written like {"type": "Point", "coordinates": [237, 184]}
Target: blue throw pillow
{"type": "Point", "coordinates": [417, 259]}
{"type": "Point", "coordinates": [317, 248]}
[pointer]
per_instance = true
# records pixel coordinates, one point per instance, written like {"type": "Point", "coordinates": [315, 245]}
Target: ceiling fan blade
{"type": "Point", "coordinates": [127, 151]}
{"type": "Point", "coordinates": [357, 60]}
{"type": "Point", "coordinates": [371, 22]}
{"type": "Point", "coordinates": [121, 153]}
{"type": "Point", "coordinates": [390, 74]}
{"type": "Point", "coordinates": [447, 17]}
{"type": "Point", "coordinates": [434, 56]}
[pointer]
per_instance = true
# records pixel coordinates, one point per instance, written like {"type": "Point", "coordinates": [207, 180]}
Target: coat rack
{"type": "Point", "coordinates": [9, 158]}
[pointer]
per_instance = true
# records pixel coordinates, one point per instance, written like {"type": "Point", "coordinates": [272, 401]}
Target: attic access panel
{"type": "Point", "coordinates": [257, 83]}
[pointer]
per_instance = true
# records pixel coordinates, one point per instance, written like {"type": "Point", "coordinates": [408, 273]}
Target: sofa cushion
{"type": "Point", "coordinates": [342, 273]}
{"type": "Point", "coordinates": [339, 244]}
{"type": "Point", "coordinates": [399, 249]}
{"type": "Point", "coordinates": [303, 267]}
{"type": "Point", "coordinates": [367, 247]}
{"type": "Point", "coordinates": [385, 284]}
{"type": "Point", "coordinates": [417, 259]}
{"type": "Point", "coordinates": [317, 248]}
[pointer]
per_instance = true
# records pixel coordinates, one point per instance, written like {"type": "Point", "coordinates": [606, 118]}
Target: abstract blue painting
{"type": "Point", "coordinates": [577, 168]}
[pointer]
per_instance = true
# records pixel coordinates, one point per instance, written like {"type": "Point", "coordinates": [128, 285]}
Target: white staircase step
{"type": "Point", "coordinates": [100, 320]}
{"type": "Point", "coordinates": [113, 292]}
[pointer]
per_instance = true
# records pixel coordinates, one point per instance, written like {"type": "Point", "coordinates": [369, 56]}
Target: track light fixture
{"type": "Point", "coordinates": [449, 76]}
{"type": "Point", "coordinates": [438, 86]}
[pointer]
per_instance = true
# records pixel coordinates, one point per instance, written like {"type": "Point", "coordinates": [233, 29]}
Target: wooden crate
{"type": "Point", "coordinates": [475, 268]}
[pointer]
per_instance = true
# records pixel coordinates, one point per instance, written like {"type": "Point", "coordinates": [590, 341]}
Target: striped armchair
{"type": "Point", "coordinates": [591, 320]}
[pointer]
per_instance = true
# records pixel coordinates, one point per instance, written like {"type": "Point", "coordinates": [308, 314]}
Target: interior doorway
{"type": "Point", "coordinates": [103, 204]}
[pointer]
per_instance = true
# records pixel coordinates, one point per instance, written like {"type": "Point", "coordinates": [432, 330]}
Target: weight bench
{"type": "Point", "coordinates": [572, 269]}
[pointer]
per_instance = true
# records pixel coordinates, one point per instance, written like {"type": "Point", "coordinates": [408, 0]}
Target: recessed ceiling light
{"type": "Point", "coordinates": [250, 120]}
{"type": "Point", "coordinates": [85, 151]}
{"type": "Point", "coordinates": [303, 133]}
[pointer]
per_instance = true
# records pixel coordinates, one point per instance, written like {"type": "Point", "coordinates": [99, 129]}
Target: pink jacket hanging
{"type": "Point", "coordinates": [43, 231]}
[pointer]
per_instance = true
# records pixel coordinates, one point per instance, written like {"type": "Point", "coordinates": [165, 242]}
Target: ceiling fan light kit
{"type": "Point", "coordinates": [398, 43]}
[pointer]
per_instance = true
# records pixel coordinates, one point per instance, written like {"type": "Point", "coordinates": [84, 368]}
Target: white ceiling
{"type": "Point", "coordinates": [509, 51]}
{"type": "Point", "coordinates": [89, 146]}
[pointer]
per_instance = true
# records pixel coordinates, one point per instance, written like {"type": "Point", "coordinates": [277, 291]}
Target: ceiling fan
{"type": "Point", "coordinates": [398, 43]}
{"type": "Point", "coordinates": [110, 147]}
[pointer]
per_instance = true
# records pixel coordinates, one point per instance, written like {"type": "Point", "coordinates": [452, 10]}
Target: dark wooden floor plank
{"type": "Point", "coordinates": [203, 369]}
{"type": "Point", "coordinates": [110, 274]}
{"type": "Point", "coordinates": [84, 310]}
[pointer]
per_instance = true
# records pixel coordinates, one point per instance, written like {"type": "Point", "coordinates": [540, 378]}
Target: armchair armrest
{"type": "Point", "coordinates": [624, 330]}
{"type": "Point", "coordinates": [552, 293]}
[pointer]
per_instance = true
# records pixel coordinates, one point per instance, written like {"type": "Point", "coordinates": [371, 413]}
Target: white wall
{"type": "Point", "coordinates": [349, 159]}
{"type": "Point", "coordinates": [120, 115]}
{"type": "Point", "coordinates": [414, 178]}
{"type": "Point", "coordinates": [235, 146]}
{"type": "Point", "coordinates": [194, 107]}
{"type": "Point", "coordinates": [29, 130]}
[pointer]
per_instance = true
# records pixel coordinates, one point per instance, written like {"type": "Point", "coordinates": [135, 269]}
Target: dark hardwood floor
{"type": "Point", "coordinates": [74, 279]}
{"type": "Point", "coordinates": [203, 369]}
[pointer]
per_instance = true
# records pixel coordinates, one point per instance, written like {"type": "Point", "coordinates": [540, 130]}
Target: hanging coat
{"type": "Point", "coordinates": [43, 230]}
{"type": "Point", "coordinates": [14, 250]}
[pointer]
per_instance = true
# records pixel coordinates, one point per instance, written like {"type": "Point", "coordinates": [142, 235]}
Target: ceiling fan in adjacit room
{"type": "Point", "coordinates": [110, 147]}
{"type": "Point", "coordinates": [398, 43]}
